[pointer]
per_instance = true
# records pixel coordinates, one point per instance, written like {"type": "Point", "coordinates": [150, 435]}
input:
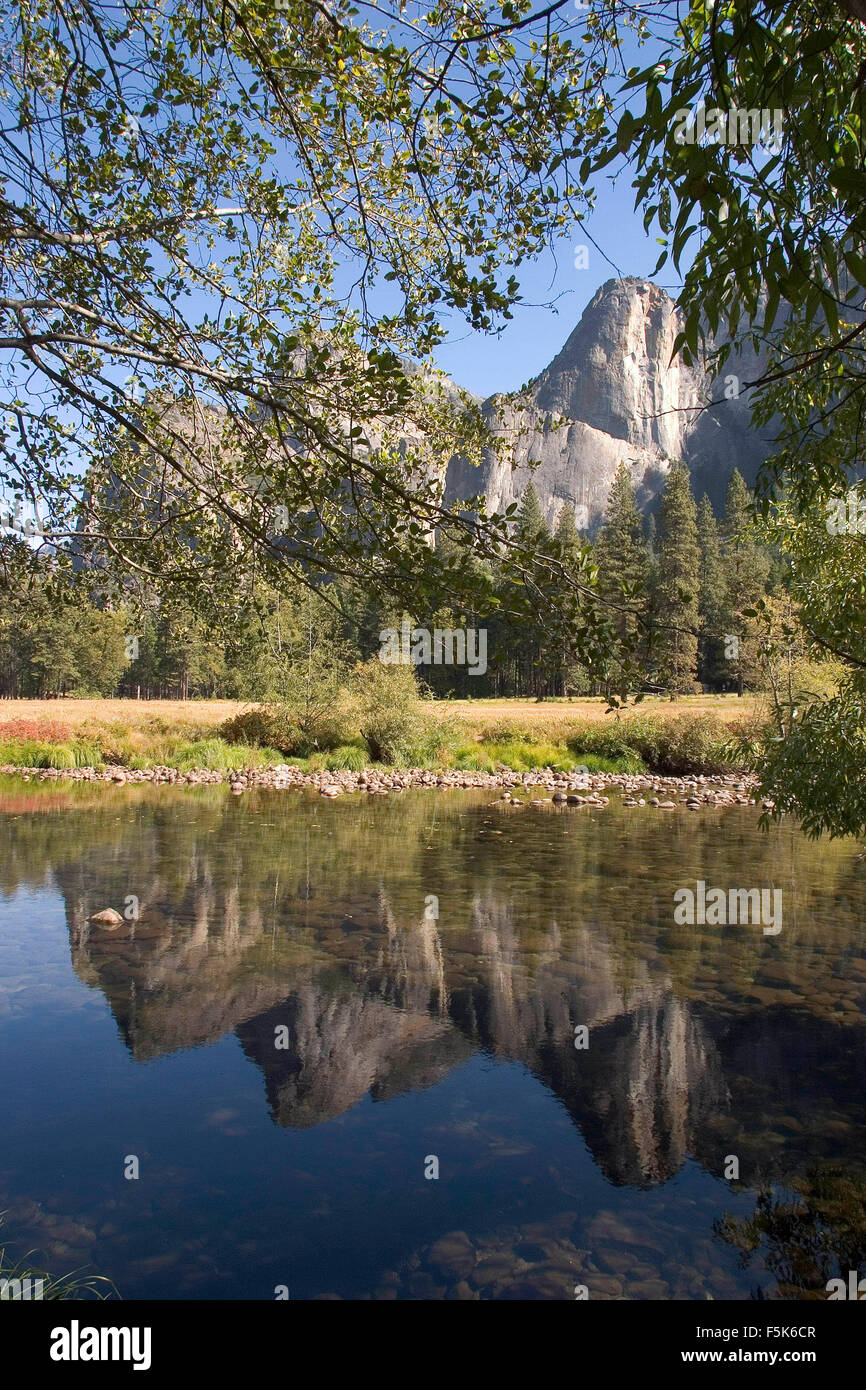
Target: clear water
{"type": "Point", "coordinates": [288, 1035]}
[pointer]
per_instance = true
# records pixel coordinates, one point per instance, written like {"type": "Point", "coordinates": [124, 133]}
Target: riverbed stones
{"type": "Point", "coordinates": [578, 790]}
{"type": "Point", "coordinates": [616, 1262]}
{"type": "Point", "coordinates": [605, 1285]}
{"type": "Point", "coordinates": [461, 1292]}
{"type": "Point", "coordinates": [453, 1255]}
{"type": "Point", "coordinates": [494, 1269]}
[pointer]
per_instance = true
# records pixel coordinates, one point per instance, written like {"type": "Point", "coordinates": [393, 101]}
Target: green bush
{"type": "Point", "coordinates": [512, 729]}
{"type": "Point", "coordinates": [689, 743]}
{"type": "Point", "coordinates": [397, 725]}
{"type": "Point", "coordinates": [634, 738]}
{"type": "Point", "coordinates": [270, 726]}
{"type": "Point", "coordinates": [692, 743]}
{"type": "Point", "coordinates": [291, 731]}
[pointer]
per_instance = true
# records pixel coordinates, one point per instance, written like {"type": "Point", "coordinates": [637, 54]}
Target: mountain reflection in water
{"type": "Point", "coordinates": [309, 931]}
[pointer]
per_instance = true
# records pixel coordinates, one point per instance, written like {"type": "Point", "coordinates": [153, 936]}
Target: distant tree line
{"type": "Point", "coordinates": [681, 591]}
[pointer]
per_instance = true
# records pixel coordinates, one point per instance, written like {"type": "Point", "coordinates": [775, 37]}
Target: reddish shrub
{"type": "Point", "coordinates": [41, 730]}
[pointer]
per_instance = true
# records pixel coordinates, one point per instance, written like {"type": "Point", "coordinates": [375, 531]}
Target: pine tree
{"type": "Point", "coordinates": [747, 566]}
{"type": "Point", "coordinates": [621, 556]}
{"type": "Point", "coordinates": [712, 596]}
{"type": "Point", "coordinates": [566, 532]}
{"type": "Point", "coordinates": [530, 525]}
{"type": "Point", "coordinates": [678, 585]}
{"type": "Point", "coordinates": [571, 548]}
{"type": "Point", "coordinates": [533, 663]}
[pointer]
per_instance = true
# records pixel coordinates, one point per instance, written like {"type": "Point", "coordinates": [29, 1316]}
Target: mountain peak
{"type": "Point", "coordinates": [612, 395]}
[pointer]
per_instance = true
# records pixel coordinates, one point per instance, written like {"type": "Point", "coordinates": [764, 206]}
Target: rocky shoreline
{"type": "Point", "coordinates": [576, 788]}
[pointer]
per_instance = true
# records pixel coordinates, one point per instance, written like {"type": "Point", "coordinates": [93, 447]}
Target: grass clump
{"type": "Point", "coordinates": [348, 757]}
{"type": "Point", "coordinates": [217, 755]}
{"type": "Point", "coordinates": [53, 1287]}
{"type": "Point", "coordinates": [37, 754]}
{"type": "Point", "coordinates": [522, 756]}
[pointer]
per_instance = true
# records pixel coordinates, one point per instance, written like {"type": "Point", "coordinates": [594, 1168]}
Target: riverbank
{"type": "Point", "coordinates": [575, 788]}
{"type": "Point", "coordinates": [679, 739]}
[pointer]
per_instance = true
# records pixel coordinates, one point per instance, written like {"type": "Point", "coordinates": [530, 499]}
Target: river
{"type": "Point", "coordinates": [425, 1046]}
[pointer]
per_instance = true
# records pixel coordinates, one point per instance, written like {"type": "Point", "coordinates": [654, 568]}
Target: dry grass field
{"type": "Point", "coordinates": [210, 713]}
{"type": "Point", "coordinates": [74, 712]}
{"type": "Point", "coordinates": [484, 711]}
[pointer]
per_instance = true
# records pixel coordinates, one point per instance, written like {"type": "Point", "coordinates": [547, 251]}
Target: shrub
{"type": "Point", "coordinates": [115, 749]}
{"type": "Point", "coordinates": [636, 737]}
{"type": "Point", "coordinates": [692, 743]}
{"type": "Point", "coordinates": [293, 732]}
{"type": "Point", "coordinates": [269, 726]}
{"type": "Point", "coordinates": [38, 730]}
{"type": "Point", "coordinates": [816, 680]}
{"type": "Point", "coordinates": [396, 724]}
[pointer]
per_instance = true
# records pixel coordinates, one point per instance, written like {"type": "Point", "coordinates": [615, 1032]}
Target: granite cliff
{"type": "Point", "coordinates": [612, 395]}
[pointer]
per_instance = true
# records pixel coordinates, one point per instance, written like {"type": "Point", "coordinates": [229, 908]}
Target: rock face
{"type": "Point", "coordinates": [612, 395]}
